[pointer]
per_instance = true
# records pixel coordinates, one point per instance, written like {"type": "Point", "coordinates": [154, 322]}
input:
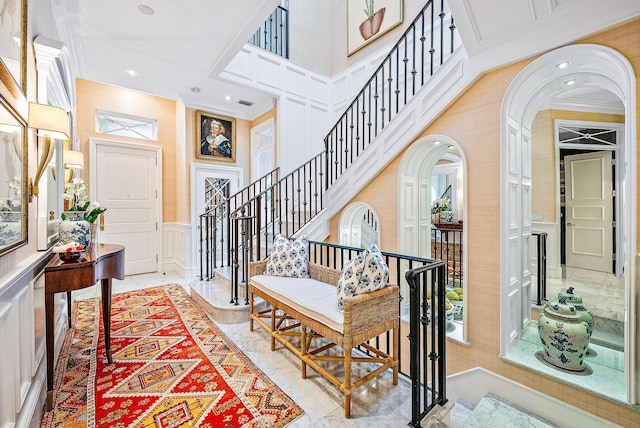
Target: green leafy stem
{"type": "Point", "coordinates": [368, 8]}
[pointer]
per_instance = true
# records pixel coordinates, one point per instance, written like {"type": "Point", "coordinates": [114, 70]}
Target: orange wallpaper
{"type": "Point", "coordinates": [474, 122]}
{"type": "Point", "coordinates": [92, 96]}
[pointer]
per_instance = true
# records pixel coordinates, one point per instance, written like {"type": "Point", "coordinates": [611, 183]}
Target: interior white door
{"type": "Point", "coordinates": [127, 183]}
{"type": "Point", "coordinates": [262, 149]}
{"type": "Point", "coordinates": [589, 211]}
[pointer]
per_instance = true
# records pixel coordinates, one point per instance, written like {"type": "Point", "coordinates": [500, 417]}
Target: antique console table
{"type": "Point", "coordinates": [104, 262]}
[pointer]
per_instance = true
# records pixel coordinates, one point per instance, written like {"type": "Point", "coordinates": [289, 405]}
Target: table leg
{"type": "Point", "coordinates": [106, 315]}
{"type": "Point", "coordinates": [49, 316]}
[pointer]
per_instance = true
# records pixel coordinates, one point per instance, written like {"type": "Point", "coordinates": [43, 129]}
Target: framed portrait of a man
{"type": "Point", "coordinates": [216, 137]}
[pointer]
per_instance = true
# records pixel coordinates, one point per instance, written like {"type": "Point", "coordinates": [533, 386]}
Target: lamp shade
{"type": "Point", "coordinates": [72, 159]}
{"type": "Point", "coordinates": [49, 118]}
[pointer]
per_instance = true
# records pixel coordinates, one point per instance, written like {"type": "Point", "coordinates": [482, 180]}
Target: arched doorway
{"type": "Point", "coordinates": [587, 66]}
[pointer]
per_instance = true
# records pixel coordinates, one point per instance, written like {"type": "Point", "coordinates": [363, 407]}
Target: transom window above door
{"type": "Point", "coordinates": [569, 134]}
{"type": "Point", "coordinates": [126, 125]}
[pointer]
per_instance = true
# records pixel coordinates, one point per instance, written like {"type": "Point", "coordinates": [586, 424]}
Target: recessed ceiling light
{"type": "Point", "coordinates": [571, 82]}
{"type": "Point", "coordinates": [227, 97]}
{"type": "Point", "coordinates": [132, 73]}
{"type": "Point", "coordinates": [143, 8]}
{"type": "Point", "coordinates": [562, 65]}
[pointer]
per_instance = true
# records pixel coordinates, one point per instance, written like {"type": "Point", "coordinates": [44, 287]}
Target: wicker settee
{"type": "Point", "coordinates": [303, 309]}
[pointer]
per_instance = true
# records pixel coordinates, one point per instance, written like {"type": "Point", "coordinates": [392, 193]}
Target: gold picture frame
{"type": "Point", "coordinates": [13, 43]}
{"type": "Point", "coordinates": [216, 137]}
{"type": "Point", "coordinates": [367, 20]}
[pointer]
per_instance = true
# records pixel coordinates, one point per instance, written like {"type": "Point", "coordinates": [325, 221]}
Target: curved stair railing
{"type": "Point", "coordinates": [285, 205]}
{"type": "Point", "coordinates": [289, 203]}
{"type": "Point", "coordinates": [215, 225]}
{"type": "Point", "coordinates": [283, 208]}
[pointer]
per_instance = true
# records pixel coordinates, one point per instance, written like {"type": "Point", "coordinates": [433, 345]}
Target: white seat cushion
{"type": "Point", "coordinates": [312, 298]}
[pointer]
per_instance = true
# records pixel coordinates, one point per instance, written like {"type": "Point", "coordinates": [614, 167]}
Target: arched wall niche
{"type": "Point", "coordinates": [588, 66]}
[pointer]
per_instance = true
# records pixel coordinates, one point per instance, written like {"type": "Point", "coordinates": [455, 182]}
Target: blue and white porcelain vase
{"type": "Point", "coordinates": [74, 228]}
{"type": "Point", "coordinates": [564, 336]}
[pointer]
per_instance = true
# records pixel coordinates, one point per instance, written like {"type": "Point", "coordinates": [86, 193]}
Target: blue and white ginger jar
{"type": "Point", "coordinates": [74, 228]}
{"type": "Point", "coordinates": [564, 336]}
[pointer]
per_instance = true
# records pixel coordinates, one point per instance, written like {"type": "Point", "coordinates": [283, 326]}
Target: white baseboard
{"type": "Point", "coordinates": [472, 385]}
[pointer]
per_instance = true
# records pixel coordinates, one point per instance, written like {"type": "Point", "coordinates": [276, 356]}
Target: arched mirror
{"type": "Point", "coordinates": [359, 226]}
{"type": "Point", "coordinates": [431, 216]}
{"type": "Point", "coordinates": [577, 158]}
{"type": "Point", "coordinates": [13, 180]}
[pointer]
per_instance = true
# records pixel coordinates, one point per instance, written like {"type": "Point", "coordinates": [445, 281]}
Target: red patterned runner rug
{"type": "Point", "coordinates": [172, 367]}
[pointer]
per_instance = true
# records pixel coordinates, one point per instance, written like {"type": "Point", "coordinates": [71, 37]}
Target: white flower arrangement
{"type": "Point", "coordinates": [440, 205]}
{"type": "Point", "coordinates": [76, 192]}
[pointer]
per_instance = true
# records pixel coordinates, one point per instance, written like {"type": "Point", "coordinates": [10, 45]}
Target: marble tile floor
{"type": "Point", "coordinates": [378, 404]}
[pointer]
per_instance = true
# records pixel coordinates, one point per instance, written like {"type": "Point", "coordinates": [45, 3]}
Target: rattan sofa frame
{"type": "Point", "coordinates": [366, 316]}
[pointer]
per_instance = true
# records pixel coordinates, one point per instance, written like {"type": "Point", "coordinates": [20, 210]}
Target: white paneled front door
{"type": "Point", "coordinates": [126, 180]}
{"type": "Point", "coordinates": [589, 211]}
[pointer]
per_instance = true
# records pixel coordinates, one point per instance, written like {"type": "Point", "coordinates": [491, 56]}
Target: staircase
{"type": "Point", "coordinates": [494, 411]}
{"type": "Point", "coordinates": [419, 72]}
{"type": "Point", "coordinates": [366, 137]}
{"type": "Point", "coordinates": [485, 399]}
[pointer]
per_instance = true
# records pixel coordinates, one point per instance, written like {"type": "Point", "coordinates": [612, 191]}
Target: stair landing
{"type": "Point", "coordinates": [214, 297]}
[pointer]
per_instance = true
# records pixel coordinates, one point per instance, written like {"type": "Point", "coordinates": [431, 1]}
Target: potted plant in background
{"type": "Point", "coordinates": [439, 206]}
{"type": "Point", "coordinates": [79, 221]}
{"type": "Point", "coordinates": [370, 26]}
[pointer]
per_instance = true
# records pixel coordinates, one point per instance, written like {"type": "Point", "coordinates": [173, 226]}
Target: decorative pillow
{"type": "Point", "coordinates": [364, 273]}
{"type": "Point", "coordinates": [289, 258]}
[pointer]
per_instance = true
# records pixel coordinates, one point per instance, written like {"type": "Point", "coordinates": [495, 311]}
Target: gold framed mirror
{"type": "Point", "coordinates": [13, 37]}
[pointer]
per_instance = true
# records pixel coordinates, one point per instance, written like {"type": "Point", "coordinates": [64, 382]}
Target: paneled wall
{"type": "Point", "coordinates": [303, 102]}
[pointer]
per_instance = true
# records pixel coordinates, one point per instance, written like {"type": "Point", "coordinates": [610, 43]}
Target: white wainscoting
{"type": "Point", "coordinates": [176, 249]}
{"type": "Point", "coordinates": [23, 367]}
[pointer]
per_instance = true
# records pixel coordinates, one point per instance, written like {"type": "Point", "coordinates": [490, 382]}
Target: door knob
{"type": "Point", "coordinates": [569, 224]}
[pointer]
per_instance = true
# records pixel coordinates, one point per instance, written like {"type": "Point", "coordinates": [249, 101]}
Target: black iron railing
{"type": "Point", "coordinates": [282, 208]}
{"type": "Point", "coordinates": [448, 246]}
{"type": "Point", "coordinates": [273, 34]}
{"type": "Point", "coordinates": [423, 325]}
{"type": "Point", "coordinates": [215, 225]}
{"type": "Point", "coordinates": [427, 340]}
{"type": "Point", "coordinates": [421, 50]}
{"type": "Point", "coordinates": [541, 266]}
